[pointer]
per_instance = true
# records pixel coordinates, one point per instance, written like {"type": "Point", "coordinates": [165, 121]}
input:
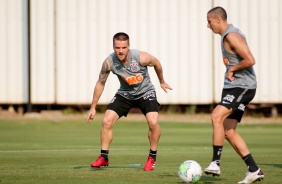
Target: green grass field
{"type": "Point", "coordinates": [42, 151]}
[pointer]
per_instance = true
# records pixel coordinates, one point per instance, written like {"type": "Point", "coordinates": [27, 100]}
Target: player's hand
{"type": "Point", "coordinates": [90, 115]}
{"type": "Point", "coordinates": [230, 75]}
{"type": "Point", "coordinates": [165, 86]}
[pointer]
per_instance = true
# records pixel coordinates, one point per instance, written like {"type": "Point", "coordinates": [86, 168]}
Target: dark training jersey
{"type": "Point", "coordinates": [134, 78]}
{"type": "Point", "coordinates": [245, 78]}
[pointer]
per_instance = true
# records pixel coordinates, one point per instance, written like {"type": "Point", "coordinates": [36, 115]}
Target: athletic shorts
{"type": "Point", "coordinates": [121, 105]}
{"type": "Point", "coordinates": [236, 99]}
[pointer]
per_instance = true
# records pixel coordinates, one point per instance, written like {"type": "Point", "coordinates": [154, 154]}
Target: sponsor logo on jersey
{"type": "Point", "coordinates": [225, 60]}
{"type": "Point", "coordinates": [116, 64]}
{"type": "Point", "coordinates": [134, 79]}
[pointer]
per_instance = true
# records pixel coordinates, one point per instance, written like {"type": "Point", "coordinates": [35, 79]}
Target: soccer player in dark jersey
{"type": "Point", "coordinates": [239, 89]}
{"type": "Point", "coordinates": [136, 90]}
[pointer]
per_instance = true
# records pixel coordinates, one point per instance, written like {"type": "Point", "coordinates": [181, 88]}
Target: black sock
{"type": "Point", "coordinates": [250, 162]}
{"type": "Point", "coordinates": [216, 154]}
{"type": "Point", "coordinates": [153, 154]}
{"type": "Point", "coordinates": [104, 154]}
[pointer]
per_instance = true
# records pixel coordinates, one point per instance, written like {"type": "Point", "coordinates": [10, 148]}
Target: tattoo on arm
{"type": "Point", "coordinates": [104, 73]}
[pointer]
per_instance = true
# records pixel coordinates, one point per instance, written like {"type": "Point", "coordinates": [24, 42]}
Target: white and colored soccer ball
{"type": "Point", "coordinates": [190, 171]}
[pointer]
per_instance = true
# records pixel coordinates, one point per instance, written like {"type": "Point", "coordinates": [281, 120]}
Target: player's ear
{"type": "Point", "coordinates": [218, 19]}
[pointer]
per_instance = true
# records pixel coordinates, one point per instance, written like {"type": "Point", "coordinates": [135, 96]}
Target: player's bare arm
{"type": "Point", "coordinates": [147, 59]}
{"type": "Point", "coordinates": [99, 88]}
{"type": "Point", "coordinates": [236, 44]}
{"type": "Point", "coordinates": [104, 73]}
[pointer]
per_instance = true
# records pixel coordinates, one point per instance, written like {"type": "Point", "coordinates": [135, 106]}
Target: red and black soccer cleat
{"type": "Point", "coordinates": [100, 162]}
{"type": "Point", "coordinates": [150, 164]}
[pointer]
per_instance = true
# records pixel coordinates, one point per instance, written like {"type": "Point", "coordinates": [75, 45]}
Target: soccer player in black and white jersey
{"type": "Point", "coordinates": [136, 90]}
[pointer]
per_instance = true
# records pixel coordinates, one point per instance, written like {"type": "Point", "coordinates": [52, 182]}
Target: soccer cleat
{"type": "Point", "coordinates": [213, 169]}
{"type": "Point", "coordinates": [150, 164]}
{"type": "Point", "coordinates": [252, 177]}
{"type": "Point", "coordinates": [100, 162]}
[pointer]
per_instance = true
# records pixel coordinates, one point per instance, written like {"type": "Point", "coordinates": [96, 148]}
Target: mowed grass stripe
{"type": "Point", "coordinates": [98, 149]}
{"type": "Point", "coordinates": [41, 151]}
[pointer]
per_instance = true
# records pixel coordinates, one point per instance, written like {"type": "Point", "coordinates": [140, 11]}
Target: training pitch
{"type": "Point", "coordinates": [47, 151]}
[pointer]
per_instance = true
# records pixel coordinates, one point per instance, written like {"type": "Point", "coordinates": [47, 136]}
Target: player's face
{"type": "Point", "coordinates": [213, 23]}
{"type": "Point", "coordinates": [121, 49]}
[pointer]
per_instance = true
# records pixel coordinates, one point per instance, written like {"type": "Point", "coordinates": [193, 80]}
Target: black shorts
{"type": "Point", "coordinates": [236, 99]}
{"type": "Point", "coordinates": [121, 105]}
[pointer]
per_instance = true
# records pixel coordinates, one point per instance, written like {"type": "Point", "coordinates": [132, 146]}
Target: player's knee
{"type": "Point", "coordinates": [229, 133]}
{"type": "Point", "coordinates": [153, 124]}
{"type": "Point", "coordinates": [106, 123]}
{"type": "Point", "coordinates": [215, 118]}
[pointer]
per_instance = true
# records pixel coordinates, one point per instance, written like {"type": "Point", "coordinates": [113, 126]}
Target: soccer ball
{"type": "Point", "coordinates": [190, 171]}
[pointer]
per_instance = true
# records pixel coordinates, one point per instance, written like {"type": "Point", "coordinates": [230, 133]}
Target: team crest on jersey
{"type": "Point", "coordinates": [134, 67]}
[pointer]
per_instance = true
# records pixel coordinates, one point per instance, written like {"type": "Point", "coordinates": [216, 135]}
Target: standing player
{"type": "Point", "coordinates": [136, 89]}
{"type": "Point", "coordinates": [239, 89]}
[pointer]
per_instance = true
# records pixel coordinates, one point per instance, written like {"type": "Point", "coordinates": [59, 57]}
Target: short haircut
{"type": "Point", "coordinates": [120, 37]}
{"type": "Point", "coordinates": [219, 11]}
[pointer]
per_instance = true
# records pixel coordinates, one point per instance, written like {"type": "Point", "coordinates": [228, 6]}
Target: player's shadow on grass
{"type": "Point", "coordinates": [209, 179]}
{"type": "Point", "coordinates": [168, 175]}
{"type": "Point", "coordinates": [109, 167]}
{"type": "Point", "coordinates": [273, 165]}
{"type": "Point", "coordinates": [80, 167]}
